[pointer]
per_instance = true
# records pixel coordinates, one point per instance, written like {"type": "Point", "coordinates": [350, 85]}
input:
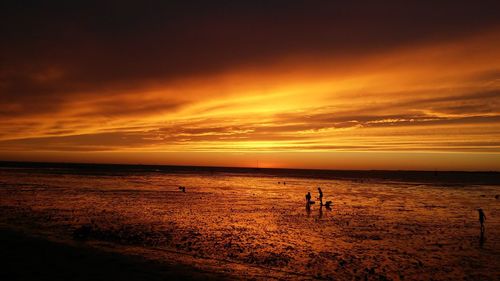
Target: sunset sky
{"type": "Point", "coordinates": [303, 84]}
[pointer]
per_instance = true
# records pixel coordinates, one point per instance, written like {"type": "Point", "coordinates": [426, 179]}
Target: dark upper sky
{"type": "Point", "coordinates": [120, 43]}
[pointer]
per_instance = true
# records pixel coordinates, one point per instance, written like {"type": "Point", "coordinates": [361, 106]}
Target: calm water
{"type": "Point", "coordinates": [250, 225]}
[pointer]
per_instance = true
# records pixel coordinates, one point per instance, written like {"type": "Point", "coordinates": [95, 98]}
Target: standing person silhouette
{"type": "Point", "coordinates": [482, 218]}
{"type": "Point", "coordinates": [308, 202]}
{"type": "Point", "coordinates": [320, 196]}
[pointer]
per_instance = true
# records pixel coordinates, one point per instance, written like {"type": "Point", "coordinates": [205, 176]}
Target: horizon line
{"type": "Point", "coordinates": [249, 168]}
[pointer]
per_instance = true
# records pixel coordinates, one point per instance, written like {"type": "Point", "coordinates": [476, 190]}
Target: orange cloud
{"type": "Point", "coordinates": [434, 99]}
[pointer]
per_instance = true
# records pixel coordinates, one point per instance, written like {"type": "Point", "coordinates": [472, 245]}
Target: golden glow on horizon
{"type": "Point", "coordinates": [441, 98]}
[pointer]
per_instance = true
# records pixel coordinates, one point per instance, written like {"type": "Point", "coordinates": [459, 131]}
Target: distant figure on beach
{"type": "Point", "coordinates": [482, 218]}
{"type": "Point", "coordinates": [328, 205]}
{"type": "Point", "coordinates": [182, 188]}
{"type": "Point", "coordinates": [320, 196]}
{"type": "Point", "coordinates": [308, 202]}
{"type": "Point", "coordinates": [284, 183]}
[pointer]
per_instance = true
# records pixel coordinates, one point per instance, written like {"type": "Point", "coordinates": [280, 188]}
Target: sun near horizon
{"type": "Point", "coordinates": [327, 86]}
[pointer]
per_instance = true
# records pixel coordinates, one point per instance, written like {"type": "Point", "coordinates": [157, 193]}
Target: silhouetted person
{"type": "Point", "coordinates": [320, 196]}
{"type": "Point", "coordinates": [308, 201]}
{"type": "Point", "coordinates": [308, 198]}
{"type": "Point", "coordinates": [182, 188]}
{"type": "Point", "coordinates": [284, 183]}
{"type": "Point", "coordinates": [482, 218]}
{"type": "Point", "coordinates": [328, 205]}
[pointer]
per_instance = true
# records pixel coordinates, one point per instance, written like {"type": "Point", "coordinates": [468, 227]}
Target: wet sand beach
{"type": "Point", "coordinates": [33, 257]}
{"type": "Point", "coordinates": [249, 225]}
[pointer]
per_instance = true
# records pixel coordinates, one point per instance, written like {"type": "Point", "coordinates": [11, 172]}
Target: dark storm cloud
{"type": "Point", "coordinates": [53, 49]}
{"type": "Point", "coordinates": [87, 142]}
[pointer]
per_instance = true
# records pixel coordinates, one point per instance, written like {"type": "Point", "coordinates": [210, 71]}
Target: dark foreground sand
{"type": "Point", "coordinates": [28, 257]}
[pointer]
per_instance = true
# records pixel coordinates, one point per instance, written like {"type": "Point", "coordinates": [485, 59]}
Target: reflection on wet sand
{"type": "Point", "coordinates": [377, 229]}
{"type": "Point", "coordinates": [481, 238]}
